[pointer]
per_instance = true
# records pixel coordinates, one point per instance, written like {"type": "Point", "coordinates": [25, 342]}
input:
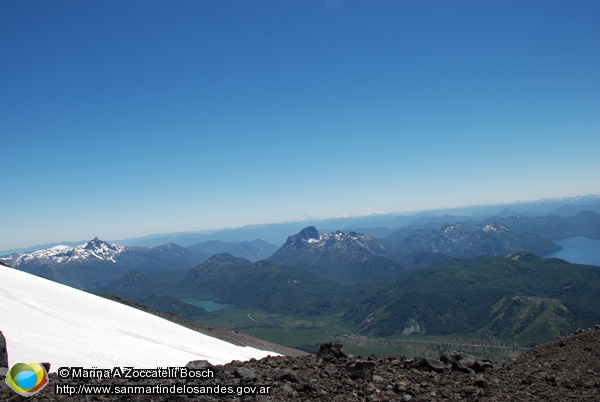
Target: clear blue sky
{"type": "Point", "coordinates": [125, 118]}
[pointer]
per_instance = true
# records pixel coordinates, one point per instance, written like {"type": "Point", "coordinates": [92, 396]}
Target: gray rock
{"type": "Point", "coordinates": [287, 389]}
{"type": "Point", "coordinates": [481, 365]}
{"type": "Point", "coordinates": [431, 365]}
{"type": "Point", "coordinates": [3, 351]}
{"type": "Point", "coordinates": [286, 374]}
{"type": "Point", "coordinates": [198, 364]}
{"type": "Point", "coordinates": [481, 381]}
{"type": "Point", "coordinates": [245, 374]}
{"type": "Point", "coordinates": [466, 363]}
{"type": "Point", "coordinates": [378, 379]}
{"type": "Point", "coordinates": [362, 369]}
{"type": "Point", "coordinates": [330, 351]}
{"type": "Point", "coordinates": [470, 389]}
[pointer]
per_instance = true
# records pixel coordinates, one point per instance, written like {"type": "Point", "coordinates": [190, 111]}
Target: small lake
{"type": "Point", "coordinates": [580, 250]}
{"type": "Point", "coordinates": [207, 305]}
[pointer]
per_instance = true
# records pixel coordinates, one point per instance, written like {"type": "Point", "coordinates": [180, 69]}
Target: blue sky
{"type": "Point", "coordinates": [125, 118]}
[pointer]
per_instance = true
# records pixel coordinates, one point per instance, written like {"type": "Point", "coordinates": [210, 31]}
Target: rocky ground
{"type": "Point", "coordinates": [563, 370]}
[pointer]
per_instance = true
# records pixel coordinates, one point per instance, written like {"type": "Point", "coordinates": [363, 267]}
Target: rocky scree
{"type": "Point", "coordinates": [566, 369]}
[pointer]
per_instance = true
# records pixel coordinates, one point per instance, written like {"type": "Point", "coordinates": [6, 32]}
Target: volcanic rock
{"type": "Point", "coordinates": [550, 372]}
{"type": "Point", "coordinates": [3, 352]}
{"type": "Point", "coordinates": [331, 351]}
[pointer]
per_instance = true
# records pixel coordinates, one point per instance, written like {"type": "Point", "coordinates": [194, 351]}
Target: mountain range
{"type": "Point", "coordinates": [277, 233]}
{"type": "Point", "coordinates": [463, 276]}
{"type": "Point", "coordinates": [464, 240]}
{"type": "Point", "coordinates": [584, 223]}
{"type": "Point", "coordinates": [340, 273]}
{"type": "Point", "coordinates": [520, 296]}
{"type": "Point", "coordinates": [375, 224]}
{"type": "Point", "coordinates": [237, 281]}
{"type": "Point", "coordinates": [97, 262]}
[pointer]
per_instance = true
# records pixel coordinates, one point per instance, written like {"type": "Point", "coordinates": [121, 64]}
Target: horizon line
{"type": "Point", "coordinates": [311, 219]}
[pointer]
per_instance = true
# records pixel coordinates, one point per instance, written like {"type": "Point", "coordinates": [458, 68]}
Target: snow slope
{"type": "Point", "coordinates": [50, 322]}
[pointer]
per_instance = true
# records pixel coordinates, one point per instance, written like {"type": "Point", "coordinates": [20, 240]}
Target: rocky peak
{"type": "Point", "coordinates": [310, 232]}
{"type": "Point", "coordinates": [93, 244]}
{"type": "Point", "coordinates": [97, 244]}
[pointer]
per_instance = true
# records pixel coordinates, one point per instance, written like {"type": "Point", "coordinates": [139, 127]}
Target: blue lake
{"type": "Point", "coordinates": [579, 250]}
{"type": "Point", "coordinates": [207, 305]}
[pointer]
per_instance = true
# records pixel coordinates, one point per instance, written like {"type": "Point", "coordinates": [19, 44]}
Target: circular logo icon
{"type": "Point", "coordinates": [27, 378]}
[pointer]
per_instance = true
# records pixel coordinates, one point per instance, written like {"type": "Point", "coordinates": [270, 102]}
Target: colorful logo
{"type": "Point", "coordinates": [27, 378]}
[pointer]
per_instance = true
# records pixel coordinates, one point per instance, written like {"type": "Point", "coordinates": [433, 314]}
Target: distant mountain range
{"type": "Point", "coordinates": [584, 223]}
{"type": "Point", "coordinates": [277, 233]}
{"type": "Point", "coordinates": [456, 277]}
{"type": "Point", "coordinates": [94, 249]}
{"type": "Point", "coordinates": [97, 262]}
{"type": "Point", "coordinates": [345, 257]}
{"type": "Point", "coordinates": [376, 224]}
{"type": "Point", "coordinates": [464, 240]}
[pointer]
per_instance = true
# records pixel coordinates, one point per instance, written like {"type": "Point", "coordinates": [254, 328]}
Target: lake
{"type": "Point", "coordinates": [207, 305]}
{"type": "Point", "coordinates": [580, 250]}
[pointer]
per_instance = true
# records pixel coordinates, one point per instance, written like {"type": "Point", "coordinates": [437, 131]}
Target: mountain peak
{"type": "Point", "coordinates": [100, 248]}
{"type": "Point", "coordinates": [94, 243]}
{"type": "Point", "coordinates": [344, 257]}
{"type": "Point", "coordinates": [309, 232]}
{"type": "Point", "coordinates": [311, 236]}
{"type": "Point", "coordinates": [307, 235]}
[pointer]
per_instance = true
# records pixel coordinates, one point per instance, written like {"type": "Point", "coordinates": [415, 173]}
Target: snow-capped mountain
{"type": "Point", "coordinates": [310, 237]}
{"type": "Point", "coordinates": [345, 257]}
{"type": "Point", "coordinates": [93, 249]}
{"type": "Point", "coordinates": [96, 263]}
{"type": "Point", "coordinates": [50, 322]}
